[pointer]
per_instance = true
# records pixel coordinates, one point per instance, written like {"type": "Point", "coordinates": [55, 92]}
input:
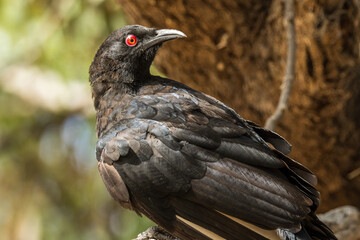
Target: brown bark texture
{"type": "Point", "coordinates": [236, 51]}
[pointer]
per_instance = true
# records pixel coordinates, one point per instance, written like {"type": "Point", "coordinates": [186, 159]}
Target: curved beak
{"type": "Point", "coordinates": [163, 35]}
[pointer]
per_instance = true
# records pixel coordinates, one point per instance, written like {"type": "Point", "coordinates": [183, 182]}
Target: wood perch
{"type": "Point", "coordinates": [155, 233]}
{"type": "Point", "coordinates": [289, 76]}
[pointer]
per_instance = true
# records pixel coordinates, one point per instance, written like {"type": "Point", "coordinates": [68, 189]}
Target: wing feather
{"type": "Point", "coordinates": [185, 154]}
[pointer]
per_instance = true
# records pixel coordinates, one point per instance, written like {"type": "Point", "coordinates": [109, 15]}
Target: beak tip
{"type": "Point", "coordinates": [180, 34]}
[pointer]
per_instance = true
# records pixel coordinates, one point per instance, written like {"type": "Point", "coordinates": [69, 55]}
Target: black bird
{"type": "Point", "coordinates": [187, 161]}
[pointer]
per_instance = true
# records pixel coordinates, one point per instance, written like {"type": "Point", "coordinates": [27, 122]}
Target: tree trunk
{"type": "Point", "coordinates": [236, 52]}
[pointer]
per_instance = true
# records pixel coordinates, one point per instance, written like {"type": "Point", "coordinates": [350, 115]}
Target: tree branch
{"type": "Point", "coordinates": [155, 233]}
{"type": "Point", "coordinates": [289, 76]}
{"type": "Point", "coordinates": [344, 221]}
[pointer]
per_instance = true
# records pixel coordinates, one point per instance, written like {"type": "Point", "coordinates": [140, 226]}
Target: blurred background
{"type": "Point", "coordinates": [49, 184]}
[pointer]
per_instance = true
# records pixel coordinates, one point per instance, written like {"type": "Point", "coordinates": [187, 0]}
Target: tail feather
{"type": "Point", "coordinates": [317, 229]}
{"type": "Point", "coordinates": [312, 229]}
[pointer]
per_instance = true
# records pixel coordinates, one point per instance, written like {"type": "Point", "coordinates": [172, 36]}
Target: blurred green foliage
{"type": "Point", "coordinates": [49, 184]}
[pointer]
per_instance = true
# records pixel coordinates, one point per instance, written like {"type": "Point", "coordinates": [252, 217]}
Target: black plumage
{"type": "Point", "coordinates": [186, 160]}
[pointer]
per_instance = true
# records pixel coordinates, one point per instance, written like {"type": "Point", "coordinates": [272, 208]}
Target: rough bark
{"type": "Point", "coordinates": [288, 79]}
{"type": "Point", "coordinates": [236, 51]}
{"type": "Point", "coordinates": [344, 222]}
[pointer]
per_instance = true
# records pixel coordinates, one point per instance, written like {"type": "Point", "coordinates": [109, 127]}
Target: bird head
{"type": "Point", "coordinates": [126, 55]}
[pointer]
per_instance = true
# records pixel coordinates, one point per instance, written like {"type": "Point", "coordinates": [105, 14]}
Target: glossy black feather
{"type": "Point", "coordinates": [179, 155]}
{"type": "Point", "coordinates": [213, 220]}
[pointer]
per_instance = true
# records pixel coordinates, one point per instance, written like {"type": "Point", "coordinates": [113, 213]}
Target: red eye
{"type": "Point", "coordinates": [131, 40]}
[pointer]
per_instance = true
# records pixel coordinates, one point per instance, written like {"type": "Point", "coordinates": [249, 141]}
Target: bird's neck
{"type": "Point", "coordinates": [111, 80]}
{"type": "Point", "coordinates": [109, 76]}
{"type": "Point", "coordinates": [110, 99]}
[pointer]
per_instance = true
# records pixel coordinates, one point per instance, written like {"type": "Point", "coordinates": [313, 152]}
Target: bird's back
{"type": "Point", "coordinates": [184, 156]}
